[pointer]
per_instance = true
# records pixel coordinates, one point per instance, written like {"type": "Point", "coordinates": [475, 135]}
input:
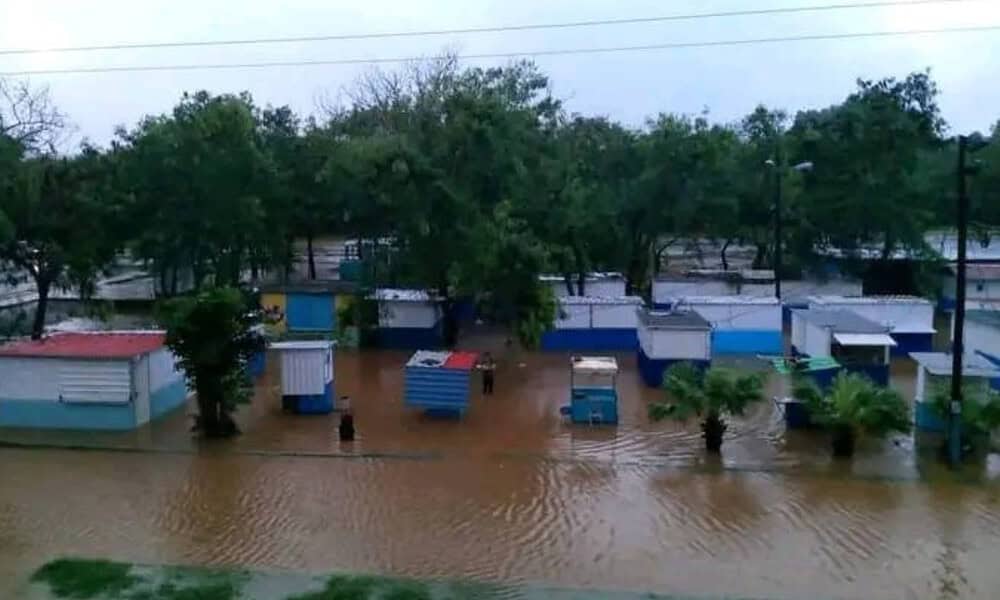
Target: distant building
{"type": "Point", "coordinates": [982, 287]}
{"type": "Point", "coordinates": [597, 284]}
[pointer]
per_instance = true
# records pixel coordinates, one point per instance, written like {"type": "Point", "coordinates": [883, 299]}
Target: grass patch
{"type": "Point", "coordinates": [83, 579]}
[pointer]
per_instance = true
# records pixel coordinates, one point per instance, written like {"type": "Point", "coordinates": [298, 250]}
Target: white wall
{"type": "Point", "coordinates": [677, 344]}
{"type": "Point", "coordinates": [798, 331]}
{"type": "Point", "coordinates": [817, 340]}
{"type": "Point", "coordinates": [305, 372]}
{"type": "Point", "coordinates": [163, 369]}
{"type": "Point", "coordinates": [990, 289]}
{"type": "Point", "coordinates": [408, 314]}
{"type": "Point", "coordinates": [980, 337]}
{"type": "Point", "coordinates": [667, 291]}
{"type": "Point", "coordinates": [910, 316]}
{"type": "Point", "coordinates": [140, 383]}
{"type": "Point", "coordinates": [48, 379]}
{"type": "Point", "coordinates": [614, 316]}
{"type": "Point", "coordinates": [756, 317]}
{"type": "Point", "coordinates": [573, 316]}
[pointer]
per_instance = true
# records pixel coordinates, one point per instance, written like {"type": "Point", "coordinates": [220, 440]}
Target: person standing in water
{"type": "Point", "coordinates": [488, 367]}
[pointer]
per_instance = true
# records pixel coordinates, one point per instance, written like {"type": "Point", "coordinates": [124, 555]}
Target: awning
{"type": "Point", "coordinates": [864, 339]}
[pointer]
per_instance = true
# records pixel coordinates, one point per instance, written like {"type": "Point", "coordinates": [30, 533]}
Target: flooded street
{"type": "Point", "coordinates": [511, 494]}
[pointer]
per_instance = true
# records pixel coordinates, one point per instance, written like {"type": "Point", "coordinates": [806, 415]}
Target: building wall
{"type": "Point", "coordinates": [167, 384]}
{"type": "Point", "coordinates": [975, 289]}
{"type": "Point", "coordinates": [277, 302]}
{"type": "Point", "coordinates": [674, 344]}
{"type": "Point", "coordinates": [982, 339]}
{"type": "Point", "coordinates": [798, 332]}
{"type": "Point", "coordinates": [816, 340]}
{"type": "Point", "coordinates": [915, 316]}
{"type": "Point", "coordinates": [311, 312]}
{"type": "Point", "coordinates": [750, 317]}
{"type": "Point", "coordinates": [408, 315]}
{"type": "Point", "coordinates": [305, 373]}
{"type": "Point", "coordinates": [573, 316]}
{"type": "Point", "coordinates": [437, 389]}
{"type": "Point", "coordinates": [614, 316]}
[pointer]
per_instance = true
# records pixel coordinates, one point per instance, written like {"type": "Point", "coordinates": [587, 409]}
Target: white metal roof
{"type": "Point", "coordinates": [912, 328]}
{"type": "Point", "coordinates": [597, 365]}
{"type": "Point", "coordinates": [754, 300]}
{"type": "Point", "coordinates": [302, 345]}
{"type": "Point", "coordinates": [589, 300]}
{"type": "Point", "coordinates": [939, 363]}
{"type": "Point", "coordinates": [402, 295]}
{"type": "Point", "coordinates": [428, 358]}
{"type": "Point", "coordinates": [864, 339]}
{"type": "Point", "coordinates": [869, 300]}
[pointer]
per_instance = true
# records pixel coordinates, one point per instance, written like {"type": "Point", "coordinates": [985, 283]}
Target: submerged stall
{"type": "Point", "coordinates": [934, 369]}
{"type": "Point", "coordinates": [740, 324]}
{"type": "Point", "coordinates": [910, 319]}
{"type": "Point", "coordinates": [408, 319]}
{"type": "Point", "coordinates": [307, 386]}
{"type": "Point", "coordinates": [667, 338]}
{"type": "Point", "coordinates": [94, 380]}
{"type": "Point", "coordinates": [439, 382]}
{"type": "Point", "coordinates": [588, 323]}
{"type": "Point", "coordinates": [857, 344]}
{"type": "Point", "coordinates": [593, 390]}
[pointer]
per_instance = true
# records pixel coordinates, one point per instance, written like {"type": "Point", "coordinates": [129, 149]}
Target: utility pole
{"type": "Point", "coordinates": [777, 231]}
{"type": "Point", "coordinates": [958, 344]}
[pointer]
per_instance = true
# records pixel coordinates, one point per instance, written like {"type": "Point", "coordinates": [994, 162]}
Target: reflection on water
{"type": "Point", "coordinates": [510, 493]}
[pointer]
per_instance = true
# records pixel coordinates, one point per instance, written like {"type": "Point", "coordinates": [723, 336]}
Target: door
{"type": "Point", "coordinates": [310, 312]}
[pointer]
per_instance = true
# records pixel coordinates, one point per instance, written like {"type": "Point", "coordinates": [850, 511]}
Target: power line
{"type": "Point", "coordinates": [522, 54]}
{"type": "Point", "coordinates": [471, 30]}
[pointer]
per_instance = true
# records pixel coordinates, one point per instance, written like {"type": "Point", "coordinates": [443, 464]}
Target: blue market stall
{"type": "Point", "coordinates": [667, 338]}
{"type": "Point", "coordinates": [593, 392]}
{"type": "Point", "coordinates": [934, 368]}
{"type": "Point", "coordinates": [306, 376]}
{"type": "Point", "coordinates": [439, 382]}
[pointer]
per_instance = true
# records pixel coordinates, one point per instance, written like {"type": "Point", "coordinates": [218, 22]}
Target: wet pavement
{"type": "Point", "coordinates": [511, 494]}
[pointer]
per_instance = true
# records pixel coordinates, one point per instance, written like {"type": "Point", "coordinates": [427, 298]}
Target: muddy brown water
{"type": "Point", "coordinates": [511, 493]}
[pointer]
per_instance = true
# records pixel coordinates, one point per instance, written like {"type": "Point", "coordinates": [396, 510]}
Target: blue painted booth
{"type": "Point", "coordinates": [594, 324]}
{"type": "Point", "coordinates": [439, 382]}
{"type": "Point", "coordinates": [667, 338]}
{"type": "Point", "coordinates": [934, 369]}
{"type": "Point", "coordinates": [593, 392]}
{"type": "Point", "coordinates": [307, 382]}
{"type": "Point", "coordinates": [857, 344]}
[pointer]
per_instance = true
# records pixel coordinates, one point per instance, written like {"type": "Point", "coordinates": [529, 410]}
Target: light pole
{"type": "Point", "coordinates": [778, 176]}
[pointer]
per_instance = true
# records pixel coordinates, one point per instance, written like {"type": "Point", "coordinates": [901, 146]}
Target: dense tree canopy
{"type": "Point", "coordinates": [479, 180]}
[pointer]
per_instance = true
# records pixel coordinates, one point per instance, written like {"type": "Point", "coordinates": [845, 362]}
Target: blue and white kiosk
{"type": "Point", "coordinates": [593, 393]}
{"type": "Point", "coordinates": [306, 376]}
{"type": "Point", "coordinates": [934, 368]}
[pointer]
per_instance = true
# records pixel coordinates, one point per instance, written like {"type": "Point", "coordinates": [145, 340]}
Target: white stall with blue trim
{"type": "Point", "coordinates": [667, 338]}
{"type": "Point", "coordinates": [910, 319]}
{"type": "Point", "coordinates": [934, 368]}
{"type": "Point", "coordinates": [306, 376]}
{"type": "Point", "coordinates": [740, 324]}
{"type": "Point", "coordinates": [857, 344]}
{"type": "Point", "coordinates": [408, 319]}
{"type": "Point", "coordinates": [588, 323]}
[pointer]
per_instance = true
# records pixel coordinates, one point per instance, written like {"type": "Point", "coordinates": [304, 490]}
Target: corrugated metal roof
{"type": "Point", "coordinates": [302, 345]}
{"type": "Point", "coordinates": [430, 359]}
{"type": "Point", "coordinates": [939, 363]}
{"type": "Point", "coordinates": [684, 320]}
{"type": "Point", "coordinates": [841, 320]}
{"type": "Point", "coordinates": [104, 344]}
{"type": "Point", "coordinates": [864, 339]}
{"type": "Point", "coordinates": [869, 300]}
{"type": "Point", "coordinates": [591, 300]}
{"type": "Point", "coordinates": [743, 300]}
{"type": "Point", "coordinates": [402, 295]}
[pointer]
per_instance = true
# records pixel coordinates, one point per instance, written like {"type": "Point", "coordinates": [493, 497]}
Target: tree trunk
{"type": "Point", "coordinates": [173, 281]}
{"type": "Point", "coordinates": [722, 255]}
{"type": "Point", "coordinates": [213, 419]}
{"type": "Point", "coordinates": [43, 284]}
{"type": "Point", "coordinates": [843, 442]}
{"type": "Point", "coordinates": [713, 428]}
{"type": "Point", "coordinates": [760, 257]}
{"type": "Point", "coordinates": [568, 282]}
{"type": "Point", "coordinates": [449, 325]}
{"type": "Point", "coordinates": [310, 256]}
{"type": "Point", "coordinates": [581, 270]}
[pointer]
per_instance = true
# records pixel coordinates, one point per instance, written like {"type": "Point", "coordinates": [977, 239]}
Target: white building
{"type": "Point", "coordinates": [740, 324]}
{"type": "Point", "coordinates": [910, 319]}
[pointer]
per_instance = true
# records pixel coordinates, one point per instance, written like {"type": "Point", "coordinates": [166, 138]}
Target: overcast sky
{"type": "Point", "coordinates": [727, 81]}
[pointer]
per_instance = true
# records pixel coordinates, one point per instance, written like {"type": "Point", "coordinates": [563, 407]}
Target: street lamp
{"type": "Point", "coordinates": [778, 172]}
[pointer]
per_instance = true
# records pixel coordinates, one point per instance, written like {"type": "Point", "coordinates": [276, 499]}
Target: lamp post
{"type": "Point", "coordinates": [778, 176]}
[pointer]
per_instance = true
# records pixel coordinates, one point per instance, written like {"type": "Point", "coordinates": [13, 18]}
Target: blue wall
{"type": "Point", "coordinates": [590, 340]}
{"type": "Point", "coordinates": [926, 418]}
{"type": "Point", "coordinates": [734, 341]}
{"type": "Point", "coordinates": [167, 398]}
{"type": "Point", "coordinates": [410, 338]}
{"type": "Point", "coordinates": [602, 402]}
{"type": "Point", "coordinates": [652, 370]}
{"type": "Point", "coordinates": [313, 404]}
{"type": "Point", "coordinates": [437, 389]}
{"type": "Point", "coordinates": [310, 312]}
{"type": "Point", "coordinates": [912, 342]}
{"type": "Point", "coordinates": [58, 415]}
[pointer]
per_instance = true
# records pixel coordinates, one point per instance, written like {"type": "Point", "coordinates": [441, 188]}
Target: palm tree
{"type": "Point", "coordinates": [709, 396]}
{"type": "Point", "coordinates": [854, 408]}
{"type": "Point", "coordinates": [980, 412]}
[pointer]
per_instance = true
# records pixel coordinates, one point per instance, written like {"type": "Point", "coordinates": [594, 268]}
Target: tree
{"type": "Point", "coordinates": [58, 213]}
{"type": "Point", "coordinates": [710, 396]}
{"type": "Point", "coordinates": [29, 117]}
{"type": "Point", "coordinates": [980, 412]}
{"type": "Point", "coordinates": [854, 408]}
{"type": "Point", "coordinates": [213, 336]}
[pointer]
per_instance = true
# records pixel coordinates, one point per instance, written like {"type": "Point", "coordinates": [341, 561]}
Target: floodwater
{"type": "Point", "coordinates": [511, 493]}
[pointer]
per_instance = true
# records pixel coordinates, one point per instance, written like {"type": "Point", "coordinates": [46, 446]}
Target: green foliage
{"type": "Point", "coordinates": [854, 402]}
{"type": "Point", "coordinates": [344, 587]}
{"type": "Point", "coordinates": [980, 405]}
{"type": "Point", "coordinates": [714, 393]}
{"type": "Point", "coordinates": [213, 336]}
{"type": "Point", "coordinates": [84, 579]}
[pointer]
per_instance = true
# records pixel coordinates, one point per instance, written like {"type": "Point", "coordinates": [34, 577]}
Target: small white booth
{"type": "Point", "coordinates": [910, 319]}
{"type": "Point", "coordinates": [666, 338]}
{"type": "Point", "coordinates": [306, 376]}
{"type": "Point", "coordinates": [858, 344]}
{"type": "Point", "coordinates": [934, 368]}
